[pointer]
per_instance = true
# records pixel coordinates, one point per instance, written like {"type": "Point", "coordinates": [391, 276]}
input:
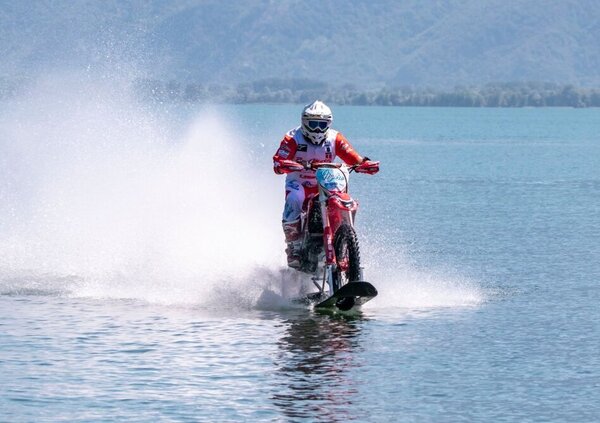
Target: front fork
{"type": "Point", "coordinates": [330, 258]}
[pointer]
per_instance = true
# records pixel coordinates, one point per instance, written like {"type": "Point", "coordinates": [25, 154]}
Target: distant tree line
{"type": "Point", "coordinates": [303, 91]}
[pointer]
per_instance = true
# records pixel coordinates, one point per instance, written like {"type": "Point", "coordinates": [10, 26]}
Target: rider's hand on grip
{"type": "Point", "coordinates": [368, 166]}
{"type": "Point", "coordinates": [287, 166]}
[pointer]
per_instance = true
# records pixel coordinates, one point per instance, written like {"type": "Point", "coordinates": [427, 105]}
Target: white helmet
{"type": "Point", "coordinates": [316, 121]}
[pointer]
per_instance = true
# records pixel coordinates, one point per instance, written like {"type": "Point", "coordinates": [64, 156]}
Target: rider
{"type": "Point", "coordinates": [313, 140]}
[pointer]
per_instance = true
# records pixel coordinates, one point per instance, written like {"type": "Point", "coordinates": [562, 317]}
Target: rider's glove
{"type": "Point", "coordinates": [287, 166]}
{"type": "Point", "coordinates": [367, 166]}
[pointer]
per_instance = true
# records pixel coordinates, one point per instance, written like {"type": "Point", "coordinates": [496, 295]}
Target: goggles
{"type": "Point", "coordinates": [318, 125]}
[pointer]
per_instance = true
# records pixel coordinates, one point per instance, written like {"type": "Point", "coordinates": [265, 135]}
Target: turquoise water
{"type": "Point", "coordinates": [142, 273]}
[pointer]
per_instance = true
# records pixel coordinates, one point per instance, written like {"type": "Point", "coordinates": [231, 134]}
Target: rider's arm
{"type": "Point", "coordinates": [351, 157]}
{"type": "Point", "coordinates": [346, 152]}
{"type": "Point", "coordinates": [286, 151]}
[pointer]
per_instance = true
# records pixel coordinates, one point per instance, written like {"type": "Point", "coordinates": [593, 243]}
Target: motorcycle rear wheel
{"type": "Point", "coordinates": [345, 244]}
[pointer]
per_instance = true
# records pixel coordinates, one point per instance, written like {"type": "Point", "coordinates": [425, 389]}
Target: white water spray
{"type": "Point", "coordinates": [99, 193]}
{"type": "Point", "coordinates": [101, 197]}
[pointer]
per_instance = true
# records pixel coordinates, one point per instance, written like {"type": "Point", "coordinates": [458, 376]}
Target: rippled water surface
{"type": "Point", "coordinates": [138, 285]}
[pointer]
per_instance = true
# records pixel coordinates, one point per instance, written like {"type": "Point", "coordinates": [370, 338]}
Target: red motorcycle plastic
{"type": "Point", "coordinates": [330, 250]}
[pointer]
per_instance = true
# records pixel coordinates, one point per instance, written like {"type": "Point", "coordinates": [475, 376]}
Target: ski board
{"type": "Point", "coordinates": [351, 295]}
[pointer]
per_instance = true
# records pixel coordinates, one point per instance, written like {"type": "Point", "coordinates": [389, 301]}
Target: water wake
{"type": "Point", "coordinates": [102, 197]}
{"type": "Point", "coordinates": [100, 191]}
{"type": "Point", "coordinates": [402, 283]}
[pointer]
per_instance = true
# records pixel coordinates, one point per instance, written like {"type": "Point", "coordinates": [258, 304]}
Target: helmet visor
{"type": "Point", "coordinates": [318, 125]}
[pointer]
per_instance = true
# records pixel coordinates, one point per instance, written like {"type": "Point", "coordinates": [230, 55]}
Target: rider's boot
{"type": "Point", "coordinates": [294, 243]}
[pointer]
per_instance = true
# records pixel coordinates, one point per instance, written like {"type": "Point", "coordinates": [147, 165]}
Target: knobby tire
{"type": "Point", "coordinates": [345, 243]}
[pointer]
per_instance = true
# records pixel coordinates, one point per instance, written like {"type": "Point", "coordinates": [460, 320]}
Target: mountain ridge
{"type": "Point", "coordinates": [369, 44]}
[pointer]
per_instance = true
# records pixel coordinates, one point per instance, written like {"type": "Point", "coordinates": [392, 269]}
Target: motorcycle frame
{"type": "Point", "coordinates": [336, 208]}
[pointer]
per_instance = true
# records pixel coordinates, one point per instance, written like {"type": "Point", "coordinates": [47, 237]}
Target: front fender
{"type": "Point", "coordinates": [342, 201]}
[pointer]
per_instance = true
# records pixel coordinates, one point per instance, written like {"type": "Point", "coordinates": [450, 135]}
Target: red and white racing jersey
{"type": "Point", "coordinates": [295, 147]}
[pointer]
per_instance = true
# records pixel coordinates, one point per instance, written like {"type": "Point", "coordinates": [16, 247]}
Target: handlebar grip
{"type": "Point", "coordinates": [290, 166]}
{"type": "Point", "coordinates": [367, 166]}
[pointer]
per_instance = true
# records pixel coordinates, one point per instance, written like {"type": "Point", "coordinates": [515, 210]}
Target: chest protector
{"type": "Point", "coordinates": [307, 151]}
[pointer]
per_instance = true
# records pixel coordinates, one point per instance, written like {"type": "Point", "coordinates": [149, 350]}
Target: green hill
{"type": "Point", "coordinates": [365, 43]}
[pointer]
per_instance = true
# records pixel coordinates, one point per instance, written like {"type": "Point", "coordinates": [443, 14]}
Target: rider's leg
{"type": "Point", "coordinates": [294, 242]}
{"type": "Point", "coordinates": [294, 198]}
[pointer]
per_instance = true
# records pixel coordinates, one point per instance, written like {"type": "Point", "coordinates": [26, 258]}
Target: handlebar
{"type": "Point", "coordinates": [314, 165]}
{"type": "Point", "coordinates": [367, 166]}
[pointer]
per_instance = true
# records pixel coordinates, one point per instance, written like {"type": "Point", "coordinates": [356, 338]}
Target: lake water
{"type": "Point", "coordinates": [142, 277]}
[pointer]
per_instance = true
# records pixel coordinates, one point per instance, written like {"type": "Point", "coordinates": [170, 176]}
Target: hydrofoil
{"type": "Point", "coordinates": [350, 296]}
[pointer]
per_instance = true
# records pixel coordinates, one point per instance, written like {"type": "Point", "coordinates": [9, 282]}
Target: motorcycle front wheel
{"type": "Point", "coordinates": [347, 269]}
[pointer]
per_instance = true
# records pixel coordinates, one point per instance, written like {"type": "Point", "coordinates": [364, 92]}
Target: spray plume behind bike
{"type": "Point", "coordinates": [104, 197]}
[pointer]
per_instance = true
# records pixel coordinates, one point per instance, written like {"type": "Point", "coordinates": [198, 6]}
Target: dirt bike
{"type": "Point", "coordinates": [330, 250]}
